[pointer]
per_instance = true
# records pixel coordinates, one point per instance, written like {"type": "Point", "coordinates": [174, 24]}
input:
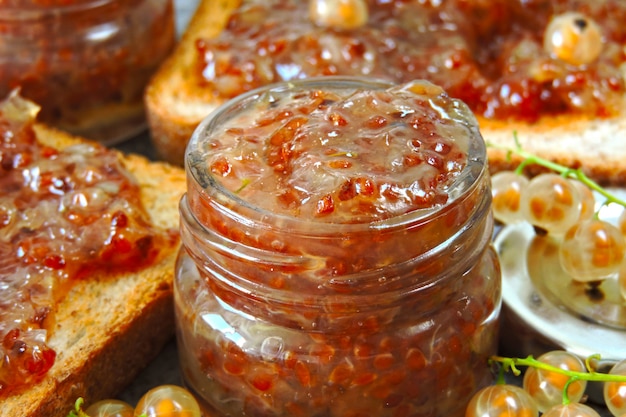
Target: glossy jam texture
{"type": "Point", "coordinates": [86, 63]}
{"type": "Point", "coordinates": [490, 54]}
{"type": "Point", "coordinates": [416, 359]}
{"type": "Point", "coordinates": [64, 215]}
{"type": "Point", "coordinates": [354, 156]}
{"type": "Point", "coordinates": [384, 306]}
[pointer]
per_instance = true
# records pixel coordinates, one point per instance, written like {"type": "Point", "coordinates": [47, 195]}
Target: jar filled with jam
{"type": "Point", "coordinates": [85, 62]}
{"type": "Point", "coordinates": [336, 254]}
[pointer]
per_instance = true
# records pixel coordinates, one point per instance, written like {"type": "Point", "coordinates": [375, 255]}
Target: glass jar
{"type": "Point", "coordinates": [288, 310]}
{"type": "Point", "coordinates": [85, 62]}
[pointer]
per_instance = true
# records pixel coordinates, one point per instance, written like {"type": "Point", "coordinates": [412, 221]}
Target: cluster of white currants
{"type": "Point", "coordinates": [590, 249]}
{"type": "Point", "coordinates": [554, 384]}
{"type": "Point", "coordinates": [161, 401]}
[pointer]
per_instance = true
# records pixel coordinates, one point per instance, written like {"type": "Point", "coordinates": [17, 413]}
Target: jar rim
{"type": "Point", "coordinates": [463, 185]}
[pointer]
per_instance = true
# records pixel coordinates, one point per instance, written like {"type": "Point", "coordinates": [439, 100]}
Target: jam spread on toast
{"type": "Point", "coordinates": [64, 216]}
{"type": "Point", "coordinates": [491, 54]}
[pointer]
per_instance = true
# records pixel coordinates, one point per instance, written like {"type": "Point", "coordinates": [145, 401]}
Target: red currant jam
{"type": "Point", "coordinates": [336, 255]}
{"type": "Point", "coordinates": [489, 54]}
{"type": "Point", "coordinates": [64, 215]}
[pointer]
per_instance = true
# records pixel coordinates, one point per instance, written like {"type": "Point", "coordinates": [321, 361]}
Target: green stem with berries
{"type": "Point", "coordinates": [78, 409]}
{"type": "Point", "coordinates": [531, 159]}
{"type": "Point", "coordinates": [591, 375]}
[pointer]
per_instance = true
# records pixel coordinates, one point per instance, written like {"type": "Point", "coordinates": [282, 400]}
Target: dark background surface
{"type": "Point", "coordinates": [164, 369]}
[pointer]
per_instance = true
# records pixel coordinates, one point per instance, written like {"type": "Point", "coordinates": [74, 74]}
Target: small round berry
{"type": "Point", "coordinates": [592, 250]}
{"type": "Point", "coordinates": [587, 200]}
{"type": "Point", "coordinates": [572, 409]}
{"type": "Point", "coordinates": [551, 202]}
{"type": "Point", "coordinates": [621, 280]}
{"type": "Point", "coordinates": [110, 408]}
{"type": "Point", "coordinates": [339, 14]}
{"type": "Point", "coordinates": [168, 401]}
{"type": "Point", "coordinates": [615, 392]}
{"type": "Point", "coordinates": [621, 222]}
{"type": "Point", "coordinates": [501, 400]}
{"type": "Point", "coordinates": [546, 387]}
{"type": "Point", "coordinates": [506, 190]}
{"type": "Point", "coordinates": [573, 38]}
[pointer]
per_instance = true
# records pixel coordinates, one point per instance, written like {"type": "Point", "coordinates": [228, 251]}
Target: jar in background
{"type": "Point", "coordinates": [336, 253]}
{"type": "Point", "coordinates": [85, 62]}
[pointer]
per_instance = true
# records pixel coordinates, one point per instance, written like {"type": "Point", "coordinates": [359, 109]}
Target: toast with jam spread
{"type": "Point", "coordinates": [175, 100]}
{"type": "Point", "coordinates": [87, 273]}
{"type": "Point", "coordinates": [565, 101]}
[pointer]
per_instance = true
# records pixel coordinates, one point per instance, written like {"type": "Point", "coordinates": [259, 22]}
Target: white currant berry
{"type": "Point", "coordinates": [587, 200]}
{"type": "Point", "coordinates": [546, 387]}
{"type": "Point", "coordinates": [501, 400]}
{"type": "Point", "coordinates": [573, 38]}
{"type": "Point", "coordinates": [573, 409]}
{"type": "Point", "coordinates": [592, 250]}
{"type": "Point", "coordinates": [506, 190]}
{"type": "Point", "coordinates": [551, 202]}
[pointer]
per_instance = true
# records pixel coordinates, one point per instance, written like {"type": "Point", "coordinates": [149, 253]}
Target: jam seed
{"type": "Point", "coordinates": [303, 374]}
{"type": "Point", "coordinates": [383, 361]}
{"type": "Point", "coordinates": [364, 378]}
{"type": "Point", "coordinates": [362, 351]}
{"type": "Point", "coordinates": [415, 359]}
{"type": "Point", "coordinates": [337, 120]}
{"type": "Point", "coordinates": [342, 373]}
{"type": "Point", "coordinates": [376, 122]}
{"type": "Point", "coordinates": [221, 167]}
{"type": "Point", "coordinates": [54, 262]}
{"type": "Point", "coordinates": [234, 364]}
{"type": "Point", "coordinates": [324, 353]}
{"type": "Point", "coordinates": [340, 164]}
{"type": "Point", "coordinates": [325, 205]}
{"type": "Point", "coordinates": [263, 381]}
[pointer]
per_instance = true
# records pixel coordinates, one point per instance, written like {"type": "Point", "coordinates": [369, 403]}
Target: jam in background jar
{"type": "Point", "coordinates": [85, 62]}
{"type": "Point", "coordinates": [336, 254]}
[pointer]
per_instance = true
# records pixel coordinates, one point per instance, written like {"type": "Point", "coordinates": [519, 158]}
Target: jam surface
{"type": "Point", "coordinates": [64, 215]}
{"type": "Point", "coordinates": [489, 54]}
{"type": "Point", "coordinates": [343, 156]}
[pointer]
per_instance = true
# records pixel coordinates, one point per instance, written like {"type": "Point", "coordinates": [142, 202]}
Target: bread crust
{"type": "Point", "coordinates": [596, 146]}
{"type": "Point", "coordinates": [108, 328]}
{"type": "Point", "coordinates": [174, 103]}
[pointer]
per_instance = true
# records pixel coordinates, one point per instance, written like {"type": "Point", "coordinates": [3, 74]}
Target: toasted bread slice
{"type": "Point", "coordinates": [108, 328]}
{"type": "Point", "coordinates": [176, 103]}
{"type": "Point", "coordinates": [596, 146]}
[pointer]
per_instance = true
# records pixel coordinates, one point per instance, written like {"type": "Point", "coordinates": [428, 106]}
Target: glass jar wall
{"type": "Point", "coordinates": [85, 62]}
{"type": "Point", "coordinates": [319, 278]}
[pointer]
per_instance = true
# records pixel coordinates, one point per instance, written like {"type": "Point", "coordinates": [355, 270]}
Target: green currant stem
{"type": "Point", "coordinates": [244, 184]}
{"type": "Point", "coordinates": [588, 360]}
{"type": "Point", "coordinates": [530, 159]}
{"type": "Point", "coordinates": [500, 380]}
{"type": "Point", "coordinates": [512, 363]}
{"type": "Point", "coordinates": [565, 400]}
